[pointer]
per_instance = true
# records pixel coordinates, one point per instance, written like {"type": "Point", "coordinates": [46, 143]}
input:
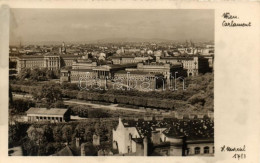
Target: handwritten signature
{"type": "Point", "coordinates": [233, 149]}
{"type": "Point", "coordinates": [239, 152]}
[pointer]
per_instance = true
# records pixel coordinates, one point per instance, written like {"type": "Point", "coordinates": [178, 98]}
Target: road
{"type": "Point", "coordinates": [110, 107]}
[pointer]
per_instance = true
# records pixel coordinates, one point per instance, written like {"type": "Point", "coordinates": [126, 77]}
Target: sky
{"type": "Point", "coordinates": [37, 26]}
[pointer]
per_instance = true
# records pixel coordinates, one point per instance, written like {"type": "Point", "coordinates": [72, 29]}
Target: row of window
{"type": "Point", "coordinates": [34, 65]}
{"type": "Point", "coordinates": [49, 118]}
{"type": "Point", "coordinates": [197, 150]}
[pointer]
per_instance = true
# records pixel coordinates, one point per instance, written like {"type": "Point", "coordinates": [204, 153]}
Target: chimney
{"type": "Point", "coordinates": [155, 137]}
{"type": "Point", "coordinates": [78, 142]}
{"type": "Point", "coordinates": [145, 142]}
{"type": "Point", "coordinates": [96, 140]}
{"type": "Point", "coordinates": [82, 150]}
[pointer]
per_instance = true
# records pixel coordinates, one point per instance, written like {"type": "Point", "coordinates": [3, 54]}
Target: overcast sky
{"type": "Point", "coordinates": [73, 25]}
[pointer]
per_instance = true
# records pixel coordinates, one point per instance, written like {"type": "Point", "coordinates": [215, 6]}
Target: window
{"type": "Point", "coordinates": [213, 149]}
{"type": "Point", "coordinates": [197, 150]}
{"type": "Point", "coordinates": [206, 149]}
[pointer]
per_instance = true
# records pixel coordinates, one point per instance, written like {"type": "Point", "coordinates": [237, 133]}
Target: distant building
{"type": "Point", "coordinates": [52, 115]}
{"type": "Point", "coordinates": [49, 61]}
{"type": "Point", "coordinates": [67, 60]}
{"type": "Point", "coordinates": [65, 76]}
{"type": "Point", "coordinates": [139, 80]}
{"type": "Point", "coordinates": [193, 64]}
{"type": "Point", "coordinates": [83, 64]}
{"type": "Point", "coordinates": [62, 49]}
{"type": "Point", "coordinates": [90, 70]}
{"type": "Point", "coordinates": [129, 59]}
{"type": "Point", "coordinates": [166, 69]}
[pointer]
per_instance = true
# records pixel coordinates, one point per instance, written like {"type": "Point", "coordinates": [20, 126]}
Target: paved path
{"type": "Point", "coordinates": [110, 107]}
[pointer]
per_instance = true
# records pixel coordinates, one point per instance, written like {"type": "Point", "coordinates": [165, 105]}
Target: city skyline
{"type": "Point", "coordinates": [51, 26]}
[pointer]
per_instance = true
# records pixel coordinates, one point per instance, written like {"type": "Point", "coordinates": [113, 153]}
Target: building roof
{"type": "Point", "coordinates": [138, 140]}
{"type": "Point", "coordinates": [66, 151]}
{"type": "Point", "coordinates": [31, 56]}
{"type": "Point", "coordinates": [120, 57]}
{"type": "Point", "coordinates": [178, 58]}
{"type": "Point", "coordinates": [134, 72]}
{"type": "Point", "coordinates": [172, 132]}
{"type": "Point", "coordinates": [52, 111]}
{"type": "Point", "coordinates": [82, 70]}
{"type": "Point", "coordinates": [192, 129]}
{"type": "Point", "coordinates": [195, 141]}
{"type": "Point", "coordinates": [123, 65]}
{"type": "Point", "coordinates": [70, 56]}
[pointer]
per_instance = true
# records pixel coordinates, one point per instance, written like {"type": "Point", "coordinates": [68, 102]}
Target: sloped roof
{"type": "Point", "coordinates": [52, 111]}
{"type": "Point", "coordinates": [192, 129]}
{"type": "Point", "coordinates": [66, 151]}
{"type": "Point", "coordinates": [172, 132]}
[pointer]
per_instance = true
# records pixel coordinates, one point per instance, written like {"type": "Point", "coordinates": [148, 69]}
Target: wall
{"type": "Point", "coordinates": [201, 145]}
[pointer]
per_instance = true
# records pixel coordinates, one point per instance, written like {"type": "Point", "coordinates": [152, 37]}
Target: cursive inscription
{"type": "Point", "coordinates": [238, 152]}
{"type": "Point", "coordinates": [230, 21]}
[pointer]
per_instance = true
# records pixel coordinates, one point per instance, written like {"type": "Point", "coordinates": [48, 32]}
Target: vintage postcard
{"type": "Point", "coordinates": [155, 81]}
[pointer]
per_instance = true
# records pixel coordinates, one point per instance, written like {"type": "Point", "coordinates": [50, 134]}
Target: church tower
{"type": "Point", "coordinates": [62, 49]}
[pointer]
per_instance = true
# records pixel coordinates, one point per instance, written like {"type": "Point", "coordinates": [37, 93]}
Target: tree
{"type": "Point", "coordinates": [50, 149]}
{"type": "Point", "coordinates": [48, 133]}
{"type": "Point", "coordinates": [21, 105]}
{"type": "Point", "coordinates": [10, 95]}
{"type": "Point", "coordinates": [51, 92]}
{"type": "Point", "coordinates": [50, 74]}
{"type": "Point", "coordinates": [36, 134]}
{"type": "Point", "coordinates": [24, 73]}
{"type": "Point", "coordinates": [57, 134]}
{"type": "Point", "coordinates": [58, 104]}
{"type": "Point", "coordinates": [97, 113]}
{"type": "Point", "coordinates": [67, 133]}
{"type": "Point", "coordinates": [197, 99]}
{"type": "Point", "coordinates": [16, 133]}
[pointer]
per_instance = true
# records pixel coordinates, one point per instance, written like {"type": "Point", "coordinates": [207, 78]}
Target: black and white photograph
{"type": "Point", "coordinates": [111, 82]}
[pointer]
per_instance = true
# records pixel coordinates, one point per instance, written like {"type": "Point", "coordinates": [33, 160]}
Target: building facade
{"type": "Point", "coordinates": [129, 59]}
{"type": "Point", "coordinates": [52, 115]}
{"type": "Point", "coordinates": [49, 61]}
{"type": "Point", "coordinates": [193, 64]}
